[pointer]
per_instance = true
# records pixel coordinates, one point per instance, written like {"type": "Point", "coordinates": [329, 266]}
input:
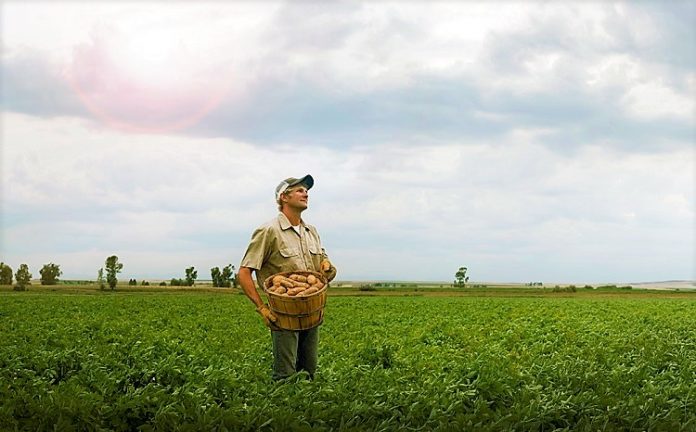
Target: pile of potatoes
{"type": "Point", "coordinates": [295, 285]}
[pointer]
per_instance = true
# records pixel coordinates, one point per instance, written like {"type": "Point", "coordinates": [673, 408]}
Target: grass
{"type": "Point", "coordinates": [191, 359]}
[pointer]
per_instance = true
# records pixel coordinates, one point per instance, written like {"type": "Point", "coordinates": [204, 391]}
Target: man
{"type": "Point", "coordinates": [285, 244]}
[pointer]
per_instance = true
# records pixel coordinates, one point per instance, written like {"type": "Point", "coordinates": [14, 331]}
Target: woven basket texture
{"type": "Point", "coordinates": [297, 312]}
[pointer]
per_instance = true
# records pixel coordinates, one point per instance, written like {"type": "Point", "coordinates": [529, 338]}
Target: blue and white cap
{"type": "Point", "coordinates": [307, 181]}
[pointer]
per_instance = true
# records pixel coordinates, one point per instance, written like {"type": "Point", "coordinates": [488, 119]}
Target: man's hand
{"type": "Point", "coordinates": [268, 318]}
{"type": "Point", "coordinates": [328, 270]}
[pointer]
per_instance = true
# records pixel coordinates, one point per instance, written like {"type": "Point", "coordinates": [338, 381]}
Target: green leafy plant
{"type": "Point", "coordinates": [163, 361]}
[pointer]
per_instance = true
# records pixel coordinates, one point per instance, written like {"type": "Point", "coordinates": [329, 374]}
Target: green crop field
{"type": "Point", "coordinates": [202, 360]}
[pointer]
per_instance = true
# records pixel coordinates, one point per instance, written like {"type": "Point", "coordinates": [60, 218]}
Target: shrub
{"type": "Point", "coordinates": [569, 288]}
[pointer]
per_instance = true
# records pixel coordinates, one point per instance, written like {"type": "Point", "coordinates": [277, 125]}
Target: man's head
{"type": "Point", "coordinates": [288, 188]}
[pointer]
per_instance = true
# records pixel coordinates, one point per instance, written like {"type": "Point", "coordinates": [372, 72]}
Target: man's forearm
{"type": "Point", "coordinates": [249, 287]}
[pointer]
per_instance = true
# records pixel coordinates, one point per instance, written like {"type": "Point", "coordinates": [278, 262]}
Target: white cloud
{"type": "Point", "coordinates": [170, 200]}
{"type": "Point", "coordinates": [647, 90]}
{"type": "Point", "coordinates": [654, 99]}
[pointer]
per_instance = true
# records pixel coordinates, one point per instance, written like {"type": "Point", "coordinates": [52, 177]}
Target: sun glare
{"type": "Point", "coordinates": [154, 58]}
{"type": "Point", "coordinates": [147, 81]}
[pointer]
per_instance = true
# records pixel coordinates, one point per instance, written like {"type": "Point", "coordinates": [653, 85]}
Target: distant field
{"type": "Point", "coordinates": [676, 289]}
{"type": "Point", "coordinates": [200, 359]}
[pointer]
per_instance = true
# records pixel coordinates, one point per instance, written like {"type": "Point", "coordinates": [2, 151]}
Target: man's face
{"type": "Point", "coordinates": [297, 198]}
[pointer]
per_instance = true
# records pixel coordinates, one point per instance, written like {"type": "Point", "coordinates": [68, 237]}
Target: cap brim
{"type": "Point", "coordinates": [307, 180]}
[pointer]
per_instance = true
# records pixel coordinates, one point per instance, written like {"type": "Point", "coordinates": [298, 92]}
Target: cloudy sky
{"type": "Point", "coordinates": [530, 141]}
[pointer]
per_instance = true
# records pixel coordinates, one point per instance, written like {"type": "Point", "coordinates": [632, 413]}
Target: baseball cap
{"type": "Point", "coordinates": [307, 181]}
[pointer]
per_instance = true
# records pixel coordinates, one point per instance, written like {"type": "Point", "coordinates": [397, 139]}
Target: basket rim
{"type": "Point", "coordinates": [280, 296]}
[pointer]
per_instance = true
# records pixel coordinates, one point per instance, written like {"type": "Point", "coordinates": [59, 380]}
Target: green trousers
{"type": "Point", "coordinates": [294, 351]}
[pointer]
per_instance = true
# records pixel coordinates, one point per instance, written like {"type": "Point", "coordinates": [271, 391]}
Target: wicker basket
{"type": "Point", "coordinates": [300, 312]}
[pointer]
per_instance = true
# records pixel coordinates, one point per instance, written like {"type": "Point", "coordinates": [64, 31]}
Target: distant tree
{"type": "Point", "coordinates": [145, 283]}
{"type": "Point", "coordinates": [224, 278]}
{"type": "Point", "coordinates": [234, 278]}
{"type": "Point", "coordinates": [163, 283]}
{"type": "Point", "coordinates": [191, 276]}
{"type": "Point", "coordinates": [23, 277]}
{"type": "Point", "coordinates": [460, 277]}
{"type": "Point", "coordinates": [50, 273]}
{"type": "Point", "coordinates": [132, 282]}
{"type": "Point", "coordinates": [113, 267]}
{"type": "Point", "coordinates": [5, 274]}
{"type": "Point", "coordinates": [100, 278]}
{"type": "Point", "coordinates": [215, 276]}
{"type": "Point", "coordinates": [227, 276]}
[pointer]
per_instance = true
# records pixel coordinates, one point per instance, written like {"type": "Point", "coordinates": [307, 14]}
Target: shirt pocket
{"type": "Point", "coordinates": [313, 246]}
{"type": "Point", "coordinates": [288, 252]}
{"type": "Point", "coordinates": [289, 259]}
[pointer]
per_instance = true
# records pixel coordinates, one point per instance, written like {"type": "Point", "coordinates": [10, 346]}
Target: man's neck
{"type": "Point", "coordinates": [294, 216]}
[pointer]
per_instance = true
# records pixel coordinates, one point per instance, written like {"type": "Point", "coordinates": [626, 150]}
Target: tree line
{"type": "Point", "coordinates": [108, 275]}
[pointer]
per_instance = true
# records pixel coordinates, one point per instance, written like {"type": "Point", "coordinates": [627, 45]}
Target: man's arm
{"type": "Point", "coordinates": [249, 286]}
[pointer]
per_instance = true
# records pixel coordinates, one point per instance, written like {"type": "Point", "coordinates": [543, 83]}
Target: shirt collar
{"type": "Point", "coordinates": [285, 223]}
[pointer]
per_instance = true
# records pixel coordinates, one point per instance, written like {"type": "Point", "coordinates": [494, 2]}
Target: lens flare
{"type": "Point", "coordinates": [151, 84]}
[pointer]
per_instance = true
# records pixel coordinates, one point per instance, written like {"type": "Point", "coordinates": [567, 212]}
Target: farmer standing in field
{"type": "Point", "coordinates": [286, 244]}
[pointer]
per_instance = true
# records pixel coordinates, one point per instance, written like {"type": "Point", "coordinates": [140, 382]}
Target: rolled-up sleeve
{"type": "Point", "coordinates": [258, 250]}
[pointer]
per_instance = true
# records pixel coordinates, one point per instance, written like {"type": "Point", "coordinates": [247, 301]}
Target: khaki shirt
{"type": "Point", "coordinates": [276, 247]}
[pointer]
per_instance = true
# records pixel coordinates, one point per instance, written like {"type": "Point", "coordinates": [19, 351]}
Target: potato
{"type": "Point", "coordinates": [301, 285]}
{"type": "Point", "coordinates": [298, 277]}
{"type": "Point", "coordinates": [287, 283]}
{"type": "Point", "coordinates": [325, 265]}
{"type": "Point", "coordinates": [277, 279]}
{"type": "Point", "coordinates": [309, 291]}
{"type": "Point", "coordinates": [311, 279]}
{"type": "Point", "coordinates": [319, 285]}
{"type": "Point", "coordinates": [295, 291]}
{"type": "Point", "coordinates": [281, 290]}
